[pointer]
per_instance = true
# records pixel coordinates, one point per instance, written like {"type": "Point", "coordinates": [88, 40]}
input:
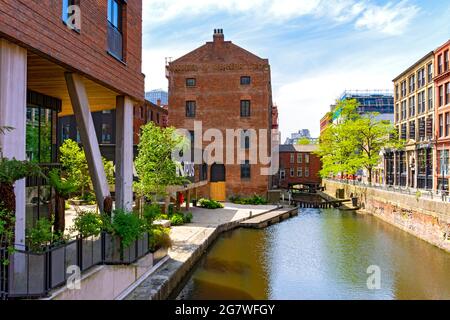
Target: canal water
{"type": "Point", "coordinates": [321, 254]}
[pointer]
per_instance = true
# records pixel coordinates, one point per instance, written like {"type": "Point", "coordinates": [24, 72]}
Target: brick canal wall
{"type": "Point", "coordinates": [424, 218]}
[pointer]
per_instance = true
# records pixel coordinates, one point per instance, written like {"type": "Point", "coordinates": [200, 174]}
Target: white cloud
{"type": "Point", "coordinates": [390, 19]}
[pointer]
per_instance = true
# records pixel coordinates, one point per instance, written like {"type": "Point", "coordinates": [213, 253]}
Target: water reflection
{"type": "Point", "coordinates": [321, 254]}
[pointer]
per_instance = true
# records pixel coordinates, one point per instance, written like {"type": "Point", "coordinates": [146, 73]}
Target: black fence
{"type": "Point", "coordinates": [34, 275]}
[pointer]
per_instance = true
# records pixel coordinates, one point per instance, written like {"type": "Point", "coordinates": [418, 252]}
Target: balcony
{"type": "Point", "coordinates": [115, 42]}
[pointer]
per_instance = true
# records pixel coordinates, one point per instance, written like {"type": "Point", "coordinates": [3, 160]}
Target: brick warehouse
{"type": "Point", "coordinates": [224, 87]}
{"type": "Point", "coordinates": [299, 165]}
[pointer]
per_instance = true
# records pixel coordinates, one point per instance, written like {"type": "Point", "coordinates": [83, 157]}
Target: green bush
{"type": "Point", "coordinates": [255, 200]}
{"type": "Point", "coordinates": [188, 217]}
{"type": "Point", "coordinates": [41, 235]}
{"type": "Point", "coordinates": [159, 237]}
{"type": "Point", "coordinates": [210, 204]}
{"type": "Point", "coordinates": [88, 223]}
{"type": "Point", "coordinates": [128, 226]}
{"type": "Point", "coordinates": [152, 213]}
{"type": "Point", "coordinates": [7, 225]}
{"type": "Point", "coordinates": [177, 219]}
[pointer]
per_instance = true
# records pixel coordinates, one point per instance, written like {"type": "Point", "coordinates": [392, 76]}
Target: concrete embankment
{"type": "Point", "coordinates": [190, 243]}
{"type": "Point", "coordinates": [427, 219]}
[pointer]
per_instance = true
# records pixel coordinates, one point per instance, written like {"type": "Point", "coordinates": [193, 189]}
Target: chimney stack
{"type": "Point", "coordinates": [218, 35]}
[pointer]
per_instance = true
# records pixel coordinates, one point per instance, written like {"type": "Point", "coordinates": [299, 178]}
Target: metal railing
{"type": "Point", "coordinates": [439, 195]}
{"type": "Point", "coordinates": [34, 275]}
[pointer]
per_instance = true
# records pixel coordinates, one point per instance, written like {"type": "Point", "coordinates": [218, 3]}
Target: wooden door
{"type": "Point", "coordinates": [218, 191]}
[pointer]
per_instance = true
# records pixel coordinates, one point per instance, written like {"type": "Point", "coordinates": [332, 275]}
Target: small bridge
{"type": "Point", "coordinates": [303, 202]}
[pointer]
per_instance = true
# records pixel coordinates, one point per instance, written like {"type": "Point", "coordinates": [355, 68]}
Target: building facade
{"type": "Point", "coordinates": [158, 95]}
{"type": "Point", "coordinates": [414, 121]}
{"type": "Point", "coordinates": [222, 86]}
{"type": "Point", "coordinates": [442, 116]}
{"type": "Point", "coordinates": [299, 166]}
{"type": "Point", "coordinates": [55, 60]}
{"type": "Point", "coordinates": [105, 127]}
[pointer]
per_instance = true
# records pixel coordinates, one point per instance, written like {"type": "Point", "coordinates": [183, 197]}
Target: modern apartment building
{"type": "Point", "coordinates": [60, 59]}
{"type": "Point", "coordinates": [442, 115]}
{"type": "Point", "coordinates": [158, 95]}
{"type": "Point", "coordinates": [222, 86]}
{"type": "Point", "coordinates": [414, 120]}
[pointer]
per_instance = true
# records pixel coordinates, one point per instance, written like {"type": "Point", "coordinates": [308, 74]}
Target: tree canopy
{"type": "Point", "coordinates": [155, 166]}
{"type": "Point", "coordinates": [355, 141]}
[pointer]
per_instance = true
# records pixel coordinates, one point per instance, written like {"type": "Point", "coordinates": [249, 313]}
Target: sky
{"type": "Point", "coordinates": [316, 48]}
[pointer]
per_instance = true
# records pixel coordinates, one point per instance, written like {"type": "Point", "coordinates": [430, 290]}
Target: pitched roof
{"type": "Point", "coordinates": [298, 147]}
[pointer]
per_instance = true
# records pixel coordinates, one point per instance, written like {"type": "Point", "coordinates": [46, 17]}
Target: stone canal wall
{"type": "Point", "coordinates": [424, 218]}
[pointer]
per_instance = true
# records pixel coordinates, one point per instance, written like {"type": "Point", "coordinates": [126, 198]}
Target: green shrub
{"type": "Point", "coordinates": [127, 226]}
{"type": "Point", "coordinates": [152, 213]}
{"type": "Point", "coordinates": [7, 226]}
{"type": "Point", "coordinates": [159, 237]}
{"type": "Point", "coordinates": [188, 217]}
{"type": "Point", "coordinates": [210, 204]}
{"type": "Point", "coordinates": [67, 206]}
{"type": "Point", "coordinates": [88, 223]}
{"type": "Point", "coordinates": [177, 219]}
{"type": "Point", "coordinates": [255, 200]}
{"type": "Point", "coordinates": [41, 235]}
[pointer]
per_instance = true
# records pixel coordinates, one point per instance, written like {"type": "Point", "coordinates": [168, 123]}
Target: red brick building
{"type": "Point", "coordinates": [224, 87]}
{"type": "Point", "coordinates": [146, 113]}
{"type": "Point", "coordinates": [442, 115]}
{"type": "Point", "coordinates": [299, 165]}
{"type": "Point", "coordinates": [60, 59]}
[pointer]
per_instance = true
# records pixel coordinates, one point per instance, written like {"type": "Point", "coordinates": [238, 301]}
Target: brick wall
{"type": "Point", "coordinates": [217, 67]}
{"type": "Point", "coordinates": [37, 25]}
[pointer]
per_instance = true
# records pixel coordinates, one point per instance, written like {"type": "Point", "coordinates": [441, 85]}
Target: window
{"type": "Point", "coordinates": [441, 125]}
{"type": "Point", "coordinates": [65, 132]}
{"type": "Point", "coordinates": [150, 115]}
{"type": "Point", "coordinates": [282, 174]}
{"type": "Point", "coordinates": [191, 107]}
{"type": "Point", "coordinates": [412, 84]}
{"type": "Point", "coordinates": [403, 132]}
{"type": "Point", "coordinates": [447, 95]}
{"type": "Point", "coordinates": [396, 92]}
{"type": "Point", "coordinates": [422, 129]}
{"type": "Point", "coordinates": [447, 124]}
{"type": "Point", "coordinates": [66, 13]}
{"type": "Point", "coordinates": [245, 108]}
{"type": "Point", "coordinates": [157, 118]}
{"type": "Point", "coordinates": [299, 158]}
{"type": "Point", "coordinates": [397, 112]}
{"type": "Point", "coordinates": [299, 172]}
{"type": "Point", "coordinates": [114, 32]}
{"type": "Point", "coordinates": [245, 170]}
{"type": "Point", "coordinates": [430, 72]}
{"type": "Point", "coordinates": [245, 80]}
{"type": "Point", "coordinates": [306, 172]}
{"type": "Point", "coordinates": [412, 130]}
{"type": "Point", "coordinates": [191, 82]}
{"type": "Point", "coordinates": [115, 14]}
{"type": "Point", "coordinates": [292, 172]}
{"type": "Point", "coordinates": [446, 60]}
{"type": "Point", "coordinates": [421, 78]}
{"type": "Point", "coordinates": [412, 106]}
{"type": "Point", "coordinates": [245, 139]}
{"type": "Point", "coordinates": [440, 66]}
{"type": "Point", "coordinates": [292, 157]}
{"type": "Point", "coordinates": [307, 158]}
{"type": "Point", "coordinates": [106, 133]}
{"type": "Point", "coordinates": [404, 89]}
{"type": "Point", "coordinates": [403, 110]}
{"type": "Point", "coordinates": [430, 99]}
{"type": "Point", "coordinates": [441, 96]}
{"type": "Point", "coordinates": [421, 102]}
{"type": "Point", "coordinates": [141, 113]}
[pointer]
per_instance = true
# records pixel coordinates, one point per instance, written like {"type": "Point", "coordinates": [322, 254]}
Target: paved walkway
{"type": "Point", "coordinates": [190, 242]}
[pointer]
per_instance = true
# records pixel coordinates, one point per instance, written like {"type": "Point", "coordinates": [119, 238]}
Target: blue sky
{"type": "Point", "coordinates": [316, 48]}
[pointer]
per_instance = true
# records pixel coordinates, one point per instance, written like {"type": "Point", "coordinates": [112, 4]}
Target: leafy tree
{"type": "Point", "coordinates": [74, 164]}
{"type": "Point", "coordinates": [109, 170]}
{"type": "Point", "coordinates": [304, 141]}
{"type": "Point", "coordinates": [154, 164]}
{"type": "Point", "coordinates": [355, 141]}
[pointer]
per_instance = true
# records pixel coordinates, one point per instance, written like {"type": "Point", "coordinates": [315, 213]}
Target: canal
{"type": "Point", "coordinates": [321, 254]}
